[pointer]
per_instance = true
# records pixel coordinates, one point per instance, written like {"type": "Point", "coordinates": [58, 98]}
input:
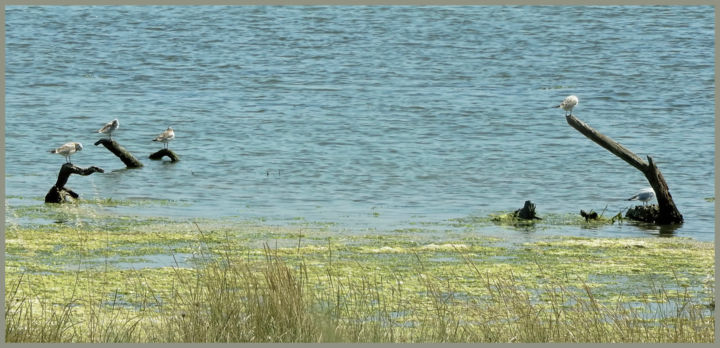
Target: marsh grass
{"type": "Point", "coordinates": [286, 298]}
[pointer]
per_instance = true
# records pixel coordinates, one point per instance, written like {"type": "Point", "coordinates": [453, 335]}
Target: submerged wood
{"type": "Point", "coordinates": [667, 211]}
{"type": "Point", "coordinates": [58, 193]}
{"type": "Point", "coordinates": [589, 216]}
{"type": "Point", "coordinates": [527, 212]}
{"type": "Point", "coordinates": [124, 155]}
{"type": "Point", "coordinates": [645, 213]}
{"type": "Point", "coordinates": [165, 152]}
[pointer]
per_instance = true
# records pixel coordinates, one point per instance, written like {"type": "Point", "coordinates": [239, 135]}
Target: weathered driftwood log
{"type": "Point", "coordinates": [124, 155]}
{"type": "Point", "coordinates": [527, 212]}
{"type": "Point", "coordinates": [59, 192]}
{"type": "Point", "coordinates": [164, 152]}
{"type": "Point", "coordinates": [667, 212]}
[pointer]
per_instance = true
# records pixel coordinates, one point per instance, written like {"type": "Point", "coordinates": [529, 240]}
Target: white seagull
{"type": "Point", "coordinates": [643, 195]}
{"type": "Point", "coordinates": [67, 150]}
{"type": "Point", "coordinates": [568, 104]}
{"type": "Point", "coordinates": [166, 136]}
{"type": "Point", "coordinates": [110, 127]}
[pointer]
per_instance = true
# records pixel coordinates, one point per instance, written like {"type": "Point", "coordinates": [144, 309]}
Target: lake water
{"type": "Point", "coordinates": [367, 116]}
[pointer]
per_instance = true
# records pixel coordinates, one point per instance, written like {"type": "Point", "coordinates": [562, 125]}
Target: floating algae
{"type": "Point", "coordinates": [141, 264]}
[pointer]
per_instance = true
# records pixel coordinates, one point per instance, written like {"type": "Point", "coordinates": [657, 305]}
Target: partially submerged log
{"type": "Point", "coordinates": [59, 193]}
{"type": "Point", "coordinates": [592, 215]}
{"type": "Point", "coordinates": [165, 152]}
{"type": "Point", "coordinates": [124, 155]}
{"type": "Point", "coordinates": [667, 211]}
{"type": "Point", "coordinates": [527, 212]}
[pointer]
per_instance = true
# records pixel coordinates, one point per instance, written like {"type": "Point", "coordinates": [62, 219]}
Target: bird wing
{"type": "Point", "coordinates": [644, 193]}
{"type": "Point", "coordinates": [64, 148]}
{"type": "Point", "coordinates": [68, 147]}
{"type": "Point", "coordinates": [161, 137]}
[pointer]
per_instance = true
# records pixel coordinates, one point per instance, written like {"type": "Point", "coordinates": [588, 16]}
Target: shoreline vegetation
{"type": "Point", "coordinates": [81, 275]}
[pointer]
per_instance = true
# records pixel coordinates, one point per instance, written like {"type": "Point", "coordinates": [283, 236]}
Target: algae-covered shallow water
{"type": "Point", "coordinates": [85, 235]}
{"type": "Point", "coordinates": [130, 279]}
{"type": "Point", "coordinates": [368, 118]}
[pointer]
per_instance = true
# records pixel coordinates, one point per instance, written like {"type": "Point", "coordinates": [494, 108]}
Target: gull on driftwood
{"type": "Point", "coordinates": [568, 104]}
{"type": "Point", "coordinates": [643, 195]}
{"type": "Point", "coordinates": [67, 149]}
{"type": "Point", "coordinates": [110, 127]}
{"type": "Point", "coordinates": [166, 136]}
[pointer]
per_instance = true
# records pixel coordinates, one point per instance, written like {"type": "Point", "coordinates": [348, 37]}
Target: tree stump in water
{"type": "Point", "coordinates": [527, 212]}
{"type": "Point", "coordinates": [124, 155]}
{"type": "Point", "coordinates": [667, 212]}
{"type": "Point", "coordinates": [645, 213]}
{"type": "Point", "coordinates": [59, 193]}
{"type": "Point", "coordinates": [164, 152]}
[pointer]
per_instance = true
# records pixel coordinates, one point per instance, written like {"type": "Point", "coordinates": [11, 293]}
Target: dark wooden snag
{"type": "Point", "coordinates": [165, 152]}
{"type": "Point", "coordinates": [589, 216]}
{"type": "Point", "coordinates": [667, 212]}
{"type": "Point", "coordinates": [58, 193]}
{"type": "Point", "coordinates": [646, 213]}
{"type": "Point", "coordinates": [527, 212]}
{"type": "Point", "coordinates": [124, 155]}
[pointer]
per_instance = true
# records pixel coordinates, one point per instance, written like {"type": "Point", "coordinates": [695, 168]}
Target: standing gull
{"type": "Point", "coordinates": [110, 127]}
{"type": "Point", "coordinates": [643, 195]}
{"type": "Point", "coordinates": [67, 150]}
{"type": "Point", "coordinates": [568, 104]}
{"type": "Point", "coordinates": [166, 136]}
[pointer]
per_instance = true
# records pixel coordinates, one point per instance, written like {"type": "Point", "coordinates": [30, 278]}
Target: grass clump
{"type": "Point", "coordinates": [245, 302]}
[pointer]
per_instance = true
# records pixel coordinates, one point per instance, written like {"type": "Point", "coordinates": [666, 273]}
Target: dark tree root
{"type": "Point", "coordinates": [164, 152]}
{"type": "Point", "coordinates": [589, 216]}
{"type": "Point", "coordinates": [124, 155]}
{"type": "Point", "coordinates": [59, 193]}
{"type": "Point", "coordinates": [644, 213]}
{"type": "Point", "coordinates": [527, 212]}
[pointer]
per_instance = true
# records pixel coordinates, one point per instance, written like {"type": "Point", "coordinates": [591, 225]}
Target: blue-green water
{"type": "Point", "coordinates": [365, 116]}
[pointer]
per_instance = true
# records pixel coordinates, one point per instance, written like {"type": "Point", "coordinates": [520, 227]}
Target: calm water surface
{"type": "Point", "coordinates": [365, 116]}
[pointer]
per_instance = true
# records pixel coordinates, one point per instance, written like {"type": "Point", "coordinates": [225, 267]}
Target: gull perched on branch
{"type": "Point", "coordinates": [67, 150]}
{"type": "Point", "coordinates": [110, 127]}
{"type": "Point", "coordinates": [568, 104]}
{"type": "Point", "coordinates": [643, 195]}
{"type": "Point", "coordinates": [166, 136]}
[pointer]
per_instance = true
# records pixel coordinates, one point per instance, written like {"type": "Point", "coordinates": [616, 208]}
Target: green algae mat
{"type": "Point", "coordinates": [93, 277]}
